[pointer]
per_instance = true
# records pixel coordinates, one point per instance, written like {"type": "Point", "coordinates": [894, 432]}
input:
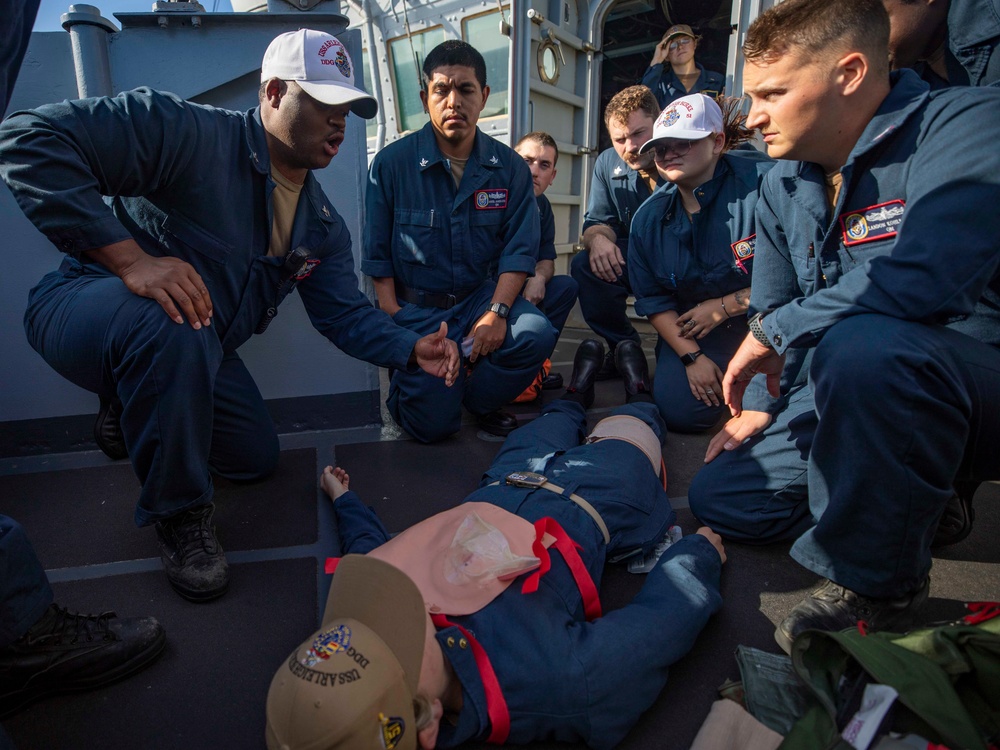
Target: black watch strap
{"type": "Point", "coordinates": [758, 330]}
{"type": "Point", "coordinates": [500, 309]}
{"type": "Point", "coordinates": [689, 358]}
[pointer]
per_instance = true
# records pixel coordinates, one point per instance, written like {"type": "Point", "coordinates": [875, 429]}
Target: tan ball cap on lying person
{"type": "Point", "coordinates": [350, 686]}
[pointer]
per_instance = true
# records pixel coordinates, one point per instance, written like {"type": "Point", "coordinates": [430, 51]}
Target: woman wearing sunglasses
{"type": "Point", "coordinates": [692, 254]}
{"type": "Point", "coordinates": [673, 72]}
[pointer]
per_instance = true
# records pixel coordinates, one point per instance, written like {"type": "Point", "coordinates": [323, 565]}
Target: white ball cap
{"type": "Point", "coordinates": [689, 118]}
{"type": "Point", "coordinates": [319, 63]}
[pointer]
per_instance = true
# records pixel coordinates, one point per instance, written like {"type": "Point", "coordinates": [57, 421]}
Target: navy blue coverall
{"type": "Point", "coordinates": [562, 290]}
{"type": "Point", "coordinates": [442, 246]}
{"type": "Point", "coordinates": [888, 312]}
{"type": "Point", "coordinates": [191, 182]}
{"type": "Point", "coordinates": [666, 86]}
{"type": "Point", "coordinates": [677, 263]}
{"type": "Point", "coordinates": [616, 193]}
{"type": "Point", "coordinates": [564, 678]}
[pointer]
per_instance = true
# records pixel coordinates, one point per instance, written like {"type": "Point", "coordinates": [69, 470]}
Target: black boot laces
{"type": "Point", "coordinates": [194, 537]}
{"type": "Point", "coordinates": [61, 625]}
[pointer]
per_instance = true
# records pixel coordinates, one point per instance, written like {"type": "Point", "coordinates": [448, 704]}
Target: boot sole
{"type": "Point", "coordinates": [13, 703]}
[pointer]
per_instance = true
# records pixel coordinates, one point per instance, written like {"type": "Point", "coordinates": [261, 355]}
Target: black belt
{"type": "Point", "coordinates": [430, 299]}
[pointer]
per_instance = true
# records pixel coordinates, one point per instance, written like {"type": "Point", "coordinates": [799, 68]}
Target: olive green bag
{"type": "Point", "coordinates": [947, 677]}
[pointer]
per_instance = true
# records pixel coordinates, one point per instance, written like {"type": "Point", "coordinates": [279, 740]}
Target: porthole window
{"type": "Point", "coordinates": [548, 62]}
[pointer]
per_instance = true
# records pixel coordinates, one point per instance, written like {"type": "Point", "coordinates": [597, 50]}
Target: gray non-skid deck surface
{"type": "Point", "coordinates": [209, 688]}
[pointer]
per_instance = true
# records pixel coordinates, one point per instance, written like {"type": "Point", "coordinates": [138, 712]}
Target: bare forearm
{"type": "Point", "coordinates": [545, 270]}
{"type": "Point", "coordinates": [385, 291]}
{"type": "Point", "coordinates": [509, 287]}
{"type": "Point", "coordinates": [598, 230]}
{"type": "Point", "coordinates": [118, 256]}
{"type": "Point", "coordinates": [665, 324]}
{"type": "Point", "coordinates": [736, 303]}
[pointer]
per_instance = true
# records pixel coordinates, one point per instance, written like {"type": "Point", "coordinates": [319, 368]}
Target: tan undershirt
{"type": "Point", "coordinates": [457, 170]}
{"type": "Point", "coordinates": [284, 200]}
{"type": "Point", "coordinates": [688, 79]}
{"type": "Point", "coordinates": [834, 180]}
{"type": "Point", "coordinates": [650, 178]}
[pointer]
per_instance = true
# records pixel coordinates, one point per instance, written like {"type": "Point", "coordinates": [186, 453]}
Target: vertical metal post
{"type": "Point", "coordinates": [88, 32]}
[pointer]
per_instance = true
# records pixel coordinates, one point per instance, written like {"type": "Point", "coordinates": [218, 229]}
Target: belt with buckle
{"type": "Point", "coordinates": [534, 480]}
{"type": "Point", "coordinates": [430, 299]}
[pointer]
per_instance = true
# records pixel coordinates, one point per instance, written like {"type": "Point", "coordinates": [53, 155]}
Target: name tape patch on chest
{"type": "Point", "coordinates": [490, 199]}
{"type": "Point", "coordinates": [743, 250]}
{"type": "Point", "coordinates": [873, 223]}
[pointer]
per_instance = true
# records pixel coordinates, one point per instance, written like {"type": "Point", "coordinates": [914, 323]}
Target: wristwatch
{"type": "Point", "coordinates": [689, 358]}
{"type": "Point", "coordinates": [500, 309]}
{"type": "Point", "coordinates": [758, 330]}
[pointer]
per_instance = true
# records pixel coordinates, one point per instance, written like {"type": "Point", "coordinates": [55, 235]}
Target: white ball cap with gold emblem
{"type": "Point", "coordinates": [319, 63]}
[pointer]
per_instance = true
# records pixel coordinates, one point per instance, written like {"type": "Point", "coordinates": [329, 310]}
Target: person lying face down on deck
{"type": "Point", "coordinates": [494, 632]}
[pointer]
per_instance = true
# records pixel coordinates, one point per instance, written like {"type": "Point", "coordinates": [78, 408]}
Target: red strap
{"type": "Point", "coordinates": [568, 548]}
{"type": "Point", "coordinates": [496, 706]}
{"type": "Point", "coordinates": [331, 565]}
{"type": "Point", "coordinates": [983, 611]}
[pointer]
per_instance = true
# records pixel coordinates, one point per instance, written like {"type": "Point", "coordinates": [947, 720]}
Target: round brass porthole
{"type": "Point", "coordinates": [548, 62]}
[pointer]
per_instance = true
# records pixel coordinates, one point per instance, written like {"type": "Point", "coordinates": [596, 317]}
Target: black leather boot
{"type": "Point", "coordinates": [631, 363]}
{"type": "Point", "coordinates": [108, 429]}
{"type": "Point", "coordinates": [586, 363]}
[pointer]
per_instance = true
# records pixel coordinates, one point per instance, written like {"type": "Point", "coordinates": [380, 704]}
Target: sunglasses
{"type": "Point", "coordinates": [676, 148]}
{"type": "Point", "coordinates": [682, 42]}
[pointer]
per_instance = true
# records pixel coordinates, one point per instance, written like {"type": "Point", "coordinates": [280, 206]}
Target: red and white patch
{"type": "Point", "coordinates": [877, 222]}
{"type": "Point", "coordinates": [743, 250]}
{"type": "Point", "coordinates": [486, 200]}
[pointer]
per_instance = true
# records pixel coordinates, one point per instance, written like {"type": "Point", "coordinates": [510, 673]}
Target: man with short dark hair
{"type": "Point", "coordinates": [622, 181]}
{"type": "Point", "coordinates": [159, 289]}
{"type": "Point", "coordinates": [447, 207]}
{"type": "Point", "coordinates": [869, 385]}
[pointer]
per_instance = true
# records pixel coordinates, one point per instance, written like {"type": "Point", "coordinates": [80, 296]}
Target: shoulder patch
{"type": "Point", "coordinates": [743, 250]}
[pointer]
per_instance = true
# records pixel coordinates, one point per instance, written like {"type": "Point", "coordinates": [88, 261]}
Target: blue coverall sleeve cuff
{"type": "Point", "coordinates": [359, 528]}
{"type": "Point", "coordinates": [698, 555]}
{"type": "Point", "coordinates": [771, 324]}
{"type": "Point", "coordinates": [516, 264]}
{"type": "Point", "coordinates": [756, 397]}
{"type": "Point", "coordinates": [377, 269]}
{"type": "Point", "coordinates": [103, 231]}
{"type": "Point", "coordinates": [649, 306]}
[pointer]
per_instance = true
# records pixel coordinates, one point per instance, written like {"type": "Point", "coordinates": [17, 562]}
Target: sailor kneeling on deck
{"type": "Point", "coordinates": [506, 642]}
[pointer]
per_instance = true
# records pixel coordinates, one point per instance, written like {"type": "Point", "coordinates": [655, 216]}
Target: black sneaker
{"type": "Point", "coordinates": [833, 608]}
{"type": "Point", "coordinates": [108, 429]}
{"type": "Point", "coordinates": [66, 652]}
{"type": "Point", "coordinates": [193, 558]}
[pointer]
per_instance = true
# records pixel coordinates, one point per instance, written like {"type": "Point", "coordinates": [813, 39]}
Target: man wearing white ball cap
{"type": "Point", "coordinates": [213, 218]}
